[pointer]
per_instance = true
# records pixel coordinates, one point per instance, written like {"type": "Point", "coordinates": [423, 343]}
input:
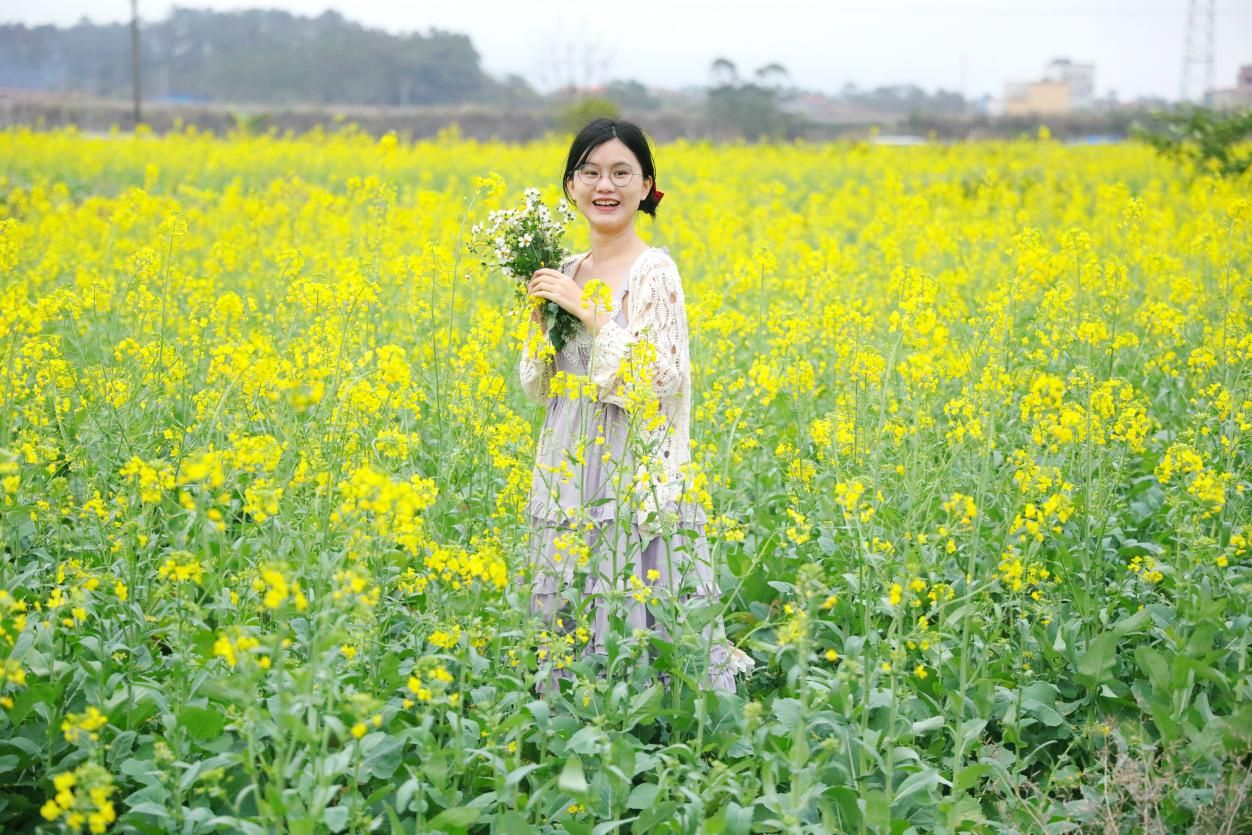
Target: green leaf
{"type": "Point", "coordinates": [789, 712]}
{"type": "Point", "coordinates": [644, 704]}
{"type": "Point", "coordinates": [572, 779]}
{"type": "Point", "coordinates": [1097, 662]}
{"type": "Point", "coordinates": [1200, 669]}
{"type": "Point", "coordinates": [458, 817]}
{"type": "Point", "coordinates": [201, 723]}
{"type": "Point", "coordinates": [1042, 711]}
{"type": "Point", "coordinates": [662, 812]}
{"type": "Point", "coordinates": [586, 741]}
{"type": "Point", "coordinates": [192, 774]}
{"type": "Point", "coordinates": [382, 754]}
{"type": "Point", "coordinates": [539, 709]}
{"type": "Point", "coordinates": [847, 806]}
{"type": "Point", "coordinates": [515, 776]}
{"type": "Point", "coordinates": [511, 823]}
{"type": "Point", "coordinates": [1201, 639]}
{"type": "Point", "coordinates": [925, 780]}
{"type": "Point", "coordinates": [335, 818]}
{"type": "Point", "coordinates": [876, 809]}
{"type": "Point", "coordinates": [738, 819]}
{"type": "Point", "coordinates": [642, 796]}
{"type": "Point", "coordinates": [435, 767]}
{"type": "Point", "coordinates": [150, 808]}
{"type": "Point", "coordinates": [970, 776]}
{"type": "Point", "coordinates": [1130, 623]}
{"type": "Point", "coordinates": [932, 723]}
{"type": "Point", "coordinates": [1155, 666]}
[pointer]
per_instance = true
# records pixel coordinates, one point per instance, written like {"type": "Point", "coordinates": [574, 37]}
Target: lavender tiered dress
{"type": "Point", "coordinates": [618, 546]}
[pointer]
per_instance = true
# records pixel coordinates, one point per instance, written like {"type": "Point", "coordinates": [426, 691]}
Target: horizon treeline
{"type": "Point", "coordinates": [272, 57]}
{"type": "Point", "coordinates": [256, 55]}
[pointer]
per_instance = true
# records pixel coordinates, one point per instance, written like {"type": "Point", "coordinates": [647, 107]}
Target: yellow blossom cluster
{"type": "Point", "coordinates": [277, 587]}
{"type": "Point", "coordinates": [12, 617]}
{"type": "Point", "coordinates": [82, 798]}
{"type": "Point", "coordinates": [849, 498]}
{"type": "Point", "coordinates": [181, 567]}
{"type": "Point", "coordinates": [152, 480]}
{"type": "Point", "coordinates": [351, 586]}
{"type": "Point", "coordinates": [76, 726]}
{"type": "Point", "coordinates": [461, 567]}
{"type": "Point", "coordinates": [231, 648]}
{"type": "Point", "coordinates": [394, 506]}
{"type": "Point", "coordinates": [446, 638]}
{"type": "Point", "coordinates": [572, 386]}
{"type": "Point", "coordinates": [1145, 568]}
{"type": "Point", "coordinates": [1207, 485]}
{"type": "Point", "coordinates": [427, 680]}
{"type": "Point", "coordinates": [1019, 575]}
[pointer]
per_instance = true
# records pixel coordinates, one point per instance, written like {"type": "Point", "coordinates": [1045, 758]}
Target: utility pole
{"type": "Point", "coordinates": [134, 57]}
{"type": "Point", "coordinates": [964, 101]}
{"type": "Point", "coordinates": [1197, 55]}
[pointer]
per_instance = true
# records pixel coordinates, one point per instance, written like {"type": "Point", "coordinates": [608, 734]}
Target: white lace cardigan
{"type": "Point", "coordinates": [655, 312]}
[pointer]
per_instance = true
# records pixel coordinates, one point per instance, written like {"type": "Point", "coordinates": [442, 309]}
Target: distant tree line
{"type": "Point", "coordinates": [750, 107]}
{"type": "Point", "coordinates": [276, 60]}
{"type": "Point", "coordinates": [259, 56]}
{"type": "Point", "coordinates": [904, 99]}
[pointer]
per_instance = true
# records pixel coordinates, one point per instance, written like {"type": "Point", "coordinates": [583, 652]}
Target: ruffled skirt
{"type": "Point", "coordinates": [675, 571]}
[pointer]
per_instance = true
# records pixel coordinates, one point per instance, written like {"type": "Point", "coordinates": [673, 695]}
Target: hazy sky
{"type": "Point", "coordinates": [972, 46]}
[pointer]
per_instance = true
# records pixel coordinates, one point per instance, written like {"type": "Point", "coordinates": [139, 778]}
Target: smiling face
{"type": "Point", "coordinates": [608, 206]}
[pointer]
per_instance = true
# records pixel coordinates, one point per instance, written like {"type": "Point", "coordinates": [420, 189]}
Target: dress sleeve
{"type": "Point", "coordinates": [657, 298]}
{"type": "Point", "coordinates": [535, 370]}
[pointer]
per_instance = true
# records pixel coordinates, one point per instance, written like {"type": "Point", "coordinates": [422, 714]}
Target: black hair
{"type": "Point", "coordinates": [601, 130]}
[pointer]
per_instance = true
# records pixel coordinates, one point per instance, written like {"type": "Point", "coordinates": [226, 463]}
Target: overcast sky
{"type": "Point", "coordinates": [971, 46]}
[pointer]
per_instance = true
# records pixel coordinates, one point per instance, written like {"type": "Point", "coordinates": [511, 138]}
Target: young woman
{"type": "Point", "coordinates": [593, 531]}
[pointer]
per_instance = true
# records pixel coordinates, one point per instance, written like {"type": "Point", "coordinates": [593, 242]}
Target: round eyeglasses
{"type": "Point", "coordinates": [618, 175]}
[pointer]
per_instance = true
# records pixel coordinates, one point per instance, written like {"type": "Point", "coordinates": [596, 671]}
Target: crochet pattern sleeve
{"type": "Point", "coordinates": [536, 372]}
{"type": "Point", "coordinates": [657, 315]}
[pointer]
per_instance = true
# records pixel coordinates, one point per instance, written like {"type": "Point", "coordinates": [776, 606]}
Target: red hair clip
{"type": "Point", "coordinates": [657, 194]}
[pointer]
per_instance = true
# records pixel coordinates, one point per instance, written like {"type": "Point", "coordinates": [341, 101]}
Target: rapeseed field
{"type": "Point", "coordinates": [970, 425]}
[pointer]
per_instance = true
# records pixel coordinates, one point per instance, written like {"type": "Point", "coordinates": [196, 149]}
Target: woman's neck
{"type": "Point", "coordinates": [608, 247]}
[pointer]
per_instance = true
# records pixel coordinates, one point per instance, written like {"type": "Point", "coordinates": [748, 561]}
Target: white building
{"type": "Point", "coordinates": [1238, 97]}
{"type": "Point", "coordinates": [1079, 77]}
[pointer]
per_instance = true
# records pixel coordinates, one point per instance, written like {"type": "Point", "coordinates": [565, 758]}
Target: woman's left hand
{"type": "Point", "coordinates": [558, 287]}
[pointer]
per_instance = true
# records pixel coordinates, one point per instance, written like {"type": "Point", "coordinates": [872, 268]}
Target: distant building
{"type": "Point", "coordinates": [1079, 77]}
{"type": "Point", "coordinates": [1039, 98]}
{"type": "Point", "coordinates": [1238, 97]}
{"type": "Point", "coordinates": [1065, 86]}
{"type": "Point", "coordinates": [1016, 90]}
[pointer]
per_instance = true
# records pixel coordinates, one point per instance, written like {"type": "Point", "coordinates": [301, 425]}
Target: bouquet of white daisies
{"type": "Point", "coordinates": [522, 240]}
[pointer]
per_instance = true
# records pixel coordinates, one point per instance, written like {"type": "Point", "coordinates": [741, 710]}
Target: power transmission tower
{"type": "Point", "coordinates": [1197, 56]}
